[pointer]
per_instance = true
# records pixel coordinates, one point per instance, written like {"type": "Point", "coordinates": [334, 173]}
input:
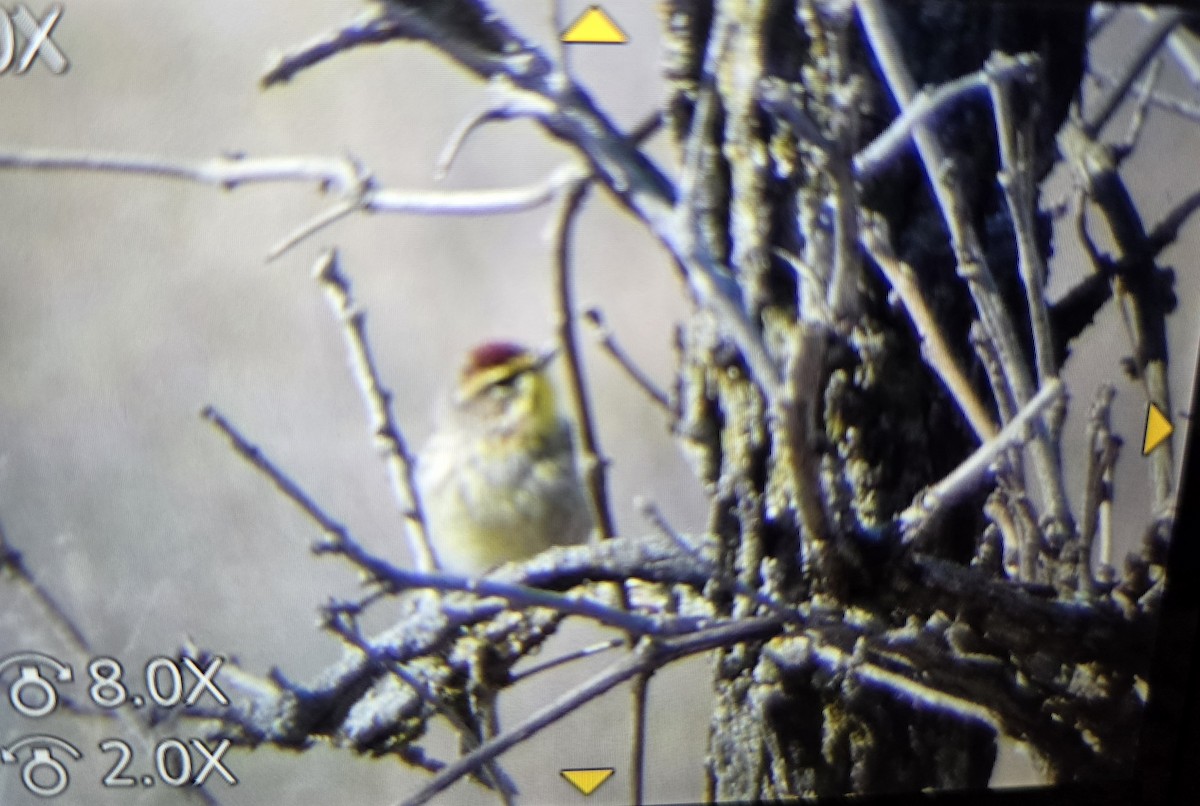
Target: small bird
{"type": "Point", "coordinates": [498, 478]}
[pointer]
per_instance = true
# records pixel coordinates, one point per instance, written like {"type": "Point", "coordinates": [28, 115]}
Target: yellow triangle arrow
{"type": "Point", "coordinates": [594, 27]}
{"type": "Point", "coordinates": [589, 780]}
{"type": "Point", "coordinates": [1158, 428]}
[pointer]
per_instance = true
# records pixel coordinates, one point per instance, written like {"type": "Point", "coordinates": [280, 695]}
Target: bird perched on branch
{"type": "Point", "coordinates": [498, 478]}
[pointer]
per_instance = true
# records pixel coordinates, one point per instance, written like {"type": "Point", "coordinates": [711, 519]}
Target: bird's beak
{"type": "Point", "coordinates": [546, 356]}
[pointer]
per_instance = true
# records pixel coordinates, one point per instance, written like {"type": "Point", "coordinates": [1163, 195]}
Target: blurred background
{"type": "Point", "coordinates": [127, 304]}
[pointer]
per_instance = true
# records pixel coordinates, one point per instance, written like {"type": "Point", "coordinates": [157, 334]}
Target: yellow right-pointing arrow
{"type": "Point", "coordinates": [587, 781]}
{"type": "Point", "coordinates": [1158, 428]}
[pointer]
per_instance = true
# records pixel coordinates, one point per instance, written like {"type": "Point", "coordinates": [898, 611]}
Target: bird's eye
{"type": "Point", "coordinates": [505, 384]}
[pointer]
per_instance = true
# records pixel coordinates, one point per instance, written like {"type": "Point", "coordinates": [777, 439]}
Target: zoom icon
{"type": "Point", "coordinates": [43, 773]}
{"type": "Point", "coordinates": [32, 694]}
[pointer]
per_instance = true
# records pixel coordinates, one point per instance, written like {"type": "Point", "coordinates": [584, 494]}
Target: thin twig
{"type": "Point", "coordinates": [841, 291]}
{"type": "Point", "coordinates": [1152, 38]}
{"type": "Point", "coordinates": [323, 220]}
{"type": "Point", "coordinates": [594, 471]}
{"type": "Point", "coordinates": [813, 308]}
{"type": "Point", "coordinates": [928, 104]}
{"type": "Point", "coordinates": [491, 201]}
{"type": "Point", "coordinates": [536, 87]}
{"type": "Point", "coordinates": [1167, 230]}
{"type": "Point", "coordinates": [594, 464]}
{"type": "Point", "coordinates": [966, 477]}
{"type": "Point", "coordinates": [1001, 393]}
{"type": "Point", "coordinates": [464, 130]}
{"type": "Point", "coordinates": [640, 688]}
{"type": "Point", "coordinates": [1099, 17]}
{"type": "Point", "coordinates": [227, 173]}
{"type": "Point", "coordinates": [1031, 535]}
{"type": "Point", "coordinates": [559, 22]}
{"type": "Point", "coordinates": [655, 517]}
{"type": "Point", "coordinates": [1016, 182]}
{"type": "Point", "coordinates": [595, 475]}
{"type": "Point", "coordinates": [972, 266]}
{"type": "Point", "coordinates": [994, 315]}
{"type": "Point", "coordinates": [338, 540]}
{"type": "Point", "coordinates": [1142, 95]}
{"type": "Point", "coordinates": [493, 773]}
{"type": "Point", "coordinates": [934, 348]}
{"type": "Point", "coordinates": [1180, 45]}
{"type": "Point", "coordinates": [345, 178]}
{"type": "Point", "coordinates": [647, 657]}
{"type": "Point", "coordinates": [1102, 453]}
{"type": "Point", "coordinates": [563, 660]}
{"type": "Point", "coordinates": [1139, 302]}
{"type": "Point", "coordinates": [13, 562]}
{"type": "Point", "coordinates": [1105, 571]}
{"type": "Point", "coordinates": [378, 401]}
{"type": "Point", "coordinates": [1157, 98]}
{"type": "Point", "coordinates": [1010, 536]}
{"type": "Point", "coordinates": [608, 342]}
{"type": "Point", "coordinates": [370, 28]}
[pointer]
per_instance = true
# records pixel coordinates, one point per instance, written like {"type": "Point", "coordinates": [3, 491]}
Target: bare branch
{"type": "Point", "coordinates": [994, 315]}
{"type": "Point", "coordinates": [608, 341]}
{"type": "Point", "coordinates": [345, 178]}
{"type": "Point", "coordinates": [367, 29]}
{"type": "Point", "coordinates": [369, 199]}
{"type": "Point", "coordinates": [1142, 96]}
{"type": "Point", "coordinates": [1182, 46]}
{"type": "Point", "coordinates": [530, 84]}
{"type": "Point", "coordinates": [1016, 180]}
{"type": "Point", "coordinates": [13, 563]}
{"type": "Point", "coordinates": [1100, 16]}
{"type": "Point", "coordinates": [227, 173]}
{"type": "Point", "coordinates": [1102, 455]}
{"type": "Point", "coordinates": [459, 137]}
{"type": "Point", "coordinates": [493, 774]}
{"type": "Point", "coordinates": [378, 400]}
{"type": "Point", "coordinates": [967, 476]}
{"type": "Point", "coordinates": [563, 660]}
{"type": "Point", "coordinates": [648, 657]}
{"type": "Point", "coordinates": [637, 749]}
{"type": "Point", "coordinates": [594, 464]}
{"type": "Point", "coordinates": [1156, 98]}
{"type": "Point", "coordinates": [1151, 39]}
{"type": "Point", "coordinates": [934, 348]}
{"type": "Point", "coordinates": [338, 540]}
{"type": "Point", "coordinates": [1132, 277]}
{"type": "Point", "coordinates": [928, 104]}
